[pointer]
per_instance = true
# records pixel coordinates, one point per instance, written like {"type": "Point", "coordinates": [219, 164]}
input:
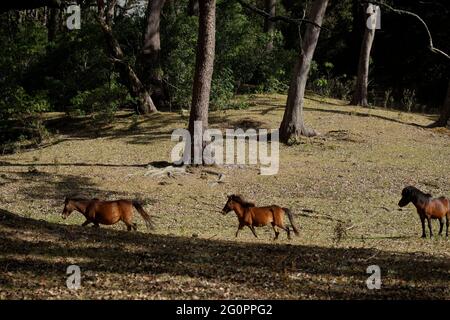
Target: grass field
{"type": "Point", "coordinates": [348, 178]}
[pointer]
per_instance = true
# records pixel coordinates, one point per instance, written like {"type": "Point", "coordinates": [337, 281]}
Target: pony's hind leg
{"type": "Point", "coordinates": [128, 222]}
{"type": "Point", "coordinates": [86, 223]}
{"type": "Point", "coordinates": [130, 226]}
{"type": "Point", "coordinates": [446, 224]}
{"type": "Point", "coordinates": [277, 233]}
{"type": "Point", "coordinates": [441, 225]}
{"type": "Point", "coordinates": [288, 231]}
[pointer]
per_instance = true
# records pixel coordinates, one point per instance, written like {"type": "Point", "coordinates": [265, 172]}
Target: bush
{"type": "Point", "coordinates": [322, 81]}
{"type": "Point", "coordinates": [222, 89]}
{"type": "Point", "coordinates": [102, 101]}
{"type": "Point", "coordinates": [20, 115]}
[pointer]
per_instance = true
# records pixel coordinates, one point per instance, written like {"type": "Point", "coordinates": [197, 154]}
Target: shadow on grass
{"type": "Point", "coordinates": [363, 115]}
{"type": "Point", "coordinates": [71, 164]}
{"type": "Point", "coordinates": [54, 186]}
{"type": "Point", "coordinates": [88, 128]}
{"type": "Point", "coordinates": [272, 270]}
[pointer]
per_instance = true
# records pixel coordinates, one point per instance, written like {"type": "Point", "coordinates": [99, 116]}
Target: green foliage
{"type": "Point", "coordinates": [16, 103]}
{"type": "Point", "coordinates": [222, 89]}
{"type": "Point", "coordinates": [241, 56]}
{"type": "Point", "coordinates": [103, 101]}
{"type": "Point", "coordinates": [409, 99]}
{"type": "Point", "coordinates": [179, 41]}
{"type": "Point", "coordinates": [322, 82]}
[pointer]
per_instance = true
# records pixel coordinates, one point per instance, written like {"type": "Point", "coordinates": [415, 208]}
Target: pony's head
{"type": "Point", "coordinates": [68, 208]}
{"type": "Point", "coordinates": [411, 194]}
{"type": "Point", "coordinates": [232, 200]}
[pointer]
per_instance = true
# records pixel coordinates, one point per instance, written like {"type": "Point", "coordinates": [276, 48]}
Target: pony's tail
{"type": "Point", "coordinates": [291, 219]}
{"type": "Point", "coordinates": [144, 214]}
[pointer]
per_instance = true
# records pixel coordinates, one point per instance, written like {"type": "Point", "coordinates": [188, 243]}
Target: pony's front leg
{"type": "Point", "coordinates": [253, 230]}
{"type": "Point", "coordinates": [429, 227]}
{"type": "Point", "coordinates": [240, 227]}
{"type": "Point", "coordinates": [422, 219]}
{"type": "Point", "coordinates": [86, 223]}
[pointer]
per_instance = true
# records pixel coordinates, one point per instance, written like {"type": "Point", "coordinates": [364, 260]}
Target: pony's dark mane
{"type": "Point", "coordinates": [416, 192]}
{"type": "Point", "coordinates": [239, 199]}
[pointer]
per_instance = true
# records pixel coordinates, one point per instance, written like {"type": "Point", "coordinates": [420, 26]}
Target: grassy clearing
{"type": "Point", "coordinates": [353, 172]}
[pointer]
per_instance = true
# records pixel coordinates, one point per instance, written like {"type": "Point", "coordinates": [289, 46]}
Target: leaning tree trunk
{"type": "Point", "coordinates": [359, 97]}
{"type": "Point", "coordinates": [293, 125]}
{"type": "Point", "coordinates": [204, 66]}
{"type": "Point", "coordinates": [151, 66]}
{"type": "Point", "coordinates": [444, 118]}
{"type": "Point", "coordinates": [269, 25]}
{"type": "Point", "coordinates": [126, 72]}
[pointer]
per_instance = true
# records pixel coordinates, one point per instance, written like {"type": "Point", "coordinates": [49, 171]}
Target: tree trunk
{"type": "Point", "coordinates": [193, 8]}
{"type": "Point", "coordinates": [151, 66]}
{"type": "Point", "coordinates": [127, 74]}
{"type": "Point", "coordinates": [269, 26]}
{"type": "Point", "coordinates": [444, 118]}
{"type": "Point", "coordinates": [52, 23]}
{"type": "Point", "coordinates": [293, 125]}
{"type": "Point", "coordinates": [359, 97]}
{"type": "Point", "coordinates": [204, 66]}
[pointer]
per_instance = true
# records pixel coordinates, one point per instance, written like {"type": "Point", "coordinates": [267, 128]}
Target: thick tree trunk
{"type": "Point", "coordinates": [204, 66]}
{"type": "Point", "coordinates": [151, 67]}
{"type": "Point", "coordinates": [127, 74]}
{"type": "Point", "coordinates": [52, 23]}
{"type": "Point", "coordinates": [293, 125]}
{"type": "Point", "coordinates": [269, 26]}
{"type": "Point", "coordinates": [444, 118]}
{"type": "Point", "coordinates": [359, 97]}
{"type": "Point", "coordinates": [193, 8]}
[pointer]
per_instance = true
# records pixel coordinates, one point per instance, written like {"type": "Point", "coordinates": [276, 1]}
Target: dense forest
{"type": "Point", "coordinates": [225, 149]}
{"type": "Point", "coordinates": [142, 55]}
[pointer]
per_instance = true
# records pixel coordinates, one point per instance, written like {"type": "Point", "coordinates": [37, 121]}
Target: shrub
{"type": "Point", "coordinates": [102, 101]}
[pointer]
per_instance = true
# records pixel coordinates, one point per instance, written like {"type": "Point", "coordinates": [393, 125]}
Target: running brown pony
{"type": "Point", "coordinates": [106, 212]}
{"type": "Point", "coordinates": [427, 208]}
{"type": "Point", "coordinates": [251, 216]}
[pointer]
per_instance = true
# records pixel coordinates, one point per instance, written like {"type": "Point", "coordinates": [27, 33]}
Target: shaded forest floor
{"type": "Point", "coordinates": [349, 177]}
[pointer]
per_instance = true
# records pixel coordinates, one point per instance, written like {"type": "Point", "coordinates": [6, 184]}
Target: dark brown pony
{"type": "Point", "coordinates": [427, 207]}
{"type": "Point", "coordinates": [251, 216]}
{"type": "Point", "coordinates": [106, 212]}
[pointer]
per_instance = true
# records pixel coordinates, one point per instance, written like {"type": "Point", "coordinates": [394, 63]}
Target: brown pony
{"type": "Point", "coordinates": [427, 208]}
{"type": "Point", "coordinates": [106, 212]}
{"type": "Point", "coordinates": [251, 216]}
